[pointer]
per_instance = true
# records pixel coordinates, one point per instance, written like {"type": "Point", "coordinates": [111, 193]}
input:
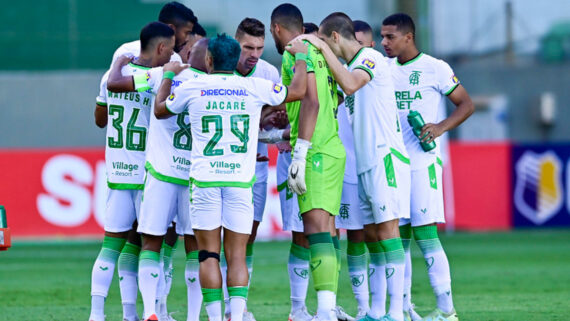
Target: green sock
{"type": "Point", "coordinates": [406, 236]}
{"type": "Point", "coordinates": [427, 238]}
{"type": "Point", "coordinates": [238, 291]}
{"type": "Point", "coordinates": [323, 261]}
{"type": "Point", "coordinates": [111, 248]}
{"type": "Point", "coordinates": [394, 250]}
{"type": "Point", "coordinates": [336, 244]}
{"type": "Point", "coordinates": [249, 259]}
{"type": "Point", "coordinates": [129, 258]}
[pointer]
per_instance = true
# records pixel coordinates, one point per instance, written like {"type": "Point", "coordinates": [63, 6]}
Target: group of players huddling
{"type": "Point", "coordinates": [188, 121]}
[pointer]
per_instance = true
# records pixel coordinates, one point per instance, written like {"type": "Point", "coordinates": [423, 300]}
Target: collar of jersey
{"type": "Point", "coordinates": [356, 56]}
{"type": "Point", "coordinates": [222, 74]}
{"type": "Point", "coordinates": [196, 70]}
{"type": "Point", "coordinates": [249, 74]}
{"type": "Point", "coordinates": [410, 61]}
{"type": "Point", "coordinates": [138, 66]}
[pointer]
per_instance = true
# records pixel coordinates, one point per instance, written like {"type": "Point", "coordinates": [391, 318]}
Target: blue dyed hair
{"type": "Point", "coordinates": [225, 51]}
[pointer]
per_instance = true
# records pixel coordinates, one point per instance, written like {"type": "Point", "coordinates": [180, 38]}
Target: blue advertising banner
{"type": "Point", "coordinates": [541, 181]}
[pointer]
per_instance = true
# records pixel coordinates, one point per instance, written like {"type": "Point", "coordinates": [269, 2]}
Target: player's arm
{"type": "Point", "coordinates": [171, 69]}
{"type": "Point", "coordinates": [298, 87]}
{"type": "Point", "coordinates": [118, 83]}
{"type": "Point", "coordinates": [101, 115]}
{"type": "Point", "coordinates": [349, 81]}
{"type": "Point", "coordinates": [464, 108]}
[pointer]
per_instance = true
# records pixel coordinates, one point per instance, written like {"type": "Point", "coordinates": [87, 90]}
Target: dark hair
{"type": "Point", "coordinates": [361, 26]}
{"type": "Point", "coordinates": [225, 51]}
{"type": "Point", "coordinates": [252, 27]}
{"type": "Point", "coordinates": [340, 23]}
{"type": "Point", "coordinates": [153, 31]}
{"type": "Point", "coordinates": [176, 13]}
{"type": "Point", "coordinates": [198, 30]}
{"type": "Point", "coordinates": [402, 21]}
{"type": "Point", "coordinates": [310, 27]}
{"type": "Point", "coordinates": [288, 16]}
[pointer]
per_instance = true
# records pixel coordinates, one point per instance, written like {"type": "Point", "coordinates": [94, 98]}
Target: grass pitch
{"type": "Point", "coordinates": [521, 275]}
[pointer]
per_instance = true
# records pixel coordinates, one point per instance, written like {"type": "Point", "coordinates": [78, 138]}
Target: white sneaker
{"type": "Point", "coordinates": [411, 315]}
{"type": "Point", "coordinates": [330, 317]}
{"type": "Point", "coordinates": [361, 313]}
{"type": "Point", "coordinates": [96, 318]}
{"type": "Point", "coordinates": [300, 315]}
{"type": "Point", "coordinates": [341, 315]}
{"type": "Point", "coordinates": [248, 316]}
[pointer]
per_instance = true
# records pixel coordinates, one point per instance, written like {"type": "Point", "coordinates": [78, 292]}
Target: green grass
{"type": "Point", "coordinates": [523, 275]}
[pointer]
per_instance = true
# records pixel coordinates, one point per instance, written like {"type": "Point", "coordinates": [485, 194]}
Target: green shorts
{"type": "Point", "coordinates": [323, 176]}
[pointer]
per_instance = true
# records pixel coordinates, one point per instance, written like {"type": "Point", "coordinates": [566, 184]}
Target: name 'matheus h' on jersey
{"type": "Point", "coordinates": [127, 130]}
{"type": "Point", "coordinates": [325, 137]}
{"type": "Point", "coordinates": [421, 84]}
{"type": "Point", "coordinates": [376, 127]}
{"type": "Point", "coordinates": [224, 114]}
{"type": "Point", "coordinates": [169, 139]}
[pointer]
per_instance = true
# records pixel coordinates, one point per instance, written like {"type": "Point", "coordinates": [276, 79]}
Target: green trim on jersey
{"type": "Point", "coordinates": [399, 156]}
{"type": "Point", "coordinates": [197, 71]}
{"type": "Point", "coordinates": [141, 82]}
{"type": "Point", "coordinates": [439, 161]}
{"type": "Point", "coordinates": [102, 104]}
{"type": "Point", "coordinates": [123, 186]}
{"type": "Point", "coordinates": [165, 178]}
{"type": "Point", "coordinates": [170, 111]}
{"type": "Point", "coordinates": [249, 74]}
{"type": "Point", "coordinates": [131, 64]}
{"type": "Point", "coordinates": [223, 184]}
{"type": "Point", "coordinates": [451, 90]}
{"type": "Point", "coordinates": [411, 61]}
{"type": "Point", "coordinates": [282, 186]}
{"type": "Point", "coordinates": [367, 70]}
{"type": "Point", "coordinates": [356, 56]}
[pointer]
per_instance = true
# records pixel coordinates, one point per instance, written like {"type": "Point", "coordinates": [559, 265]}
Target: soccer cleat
{"type": "Point", "coordinates": [152, 318]}
{"type": "Point", "coordinates": [387, 317]}
{"type": "Point", "coordinates": [96, 318]}
{"type": "Point", "coordinates": [248, 316]}
{"type": "Point", "coordinates": [300, 315]}
{"type": "Point", "coordinates": [361, 314]}
{"type": "Point", "coordinates": [411, 315]}
{"type": "Point", "coordinates": [438, 315]}
{"type": "Point", "coordinates": [341, 315]}
{"type": "Point", "coordinates": [366, 317]}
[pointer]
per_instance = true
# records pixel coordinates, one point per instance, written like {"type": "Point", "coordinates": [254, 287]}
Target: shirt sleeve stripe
{"type": "Point", "coordinates": [367, 70]}
{"type": "Point", "coordinates": [451, 90]}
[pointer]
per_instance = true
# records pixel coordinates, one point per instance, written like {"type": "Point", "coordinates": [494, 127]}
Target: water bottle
{"type": "Point", "coordinates": [416, 121]}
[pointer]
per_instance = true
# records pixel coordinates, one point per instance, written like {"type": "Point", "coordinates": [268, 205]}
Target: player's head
{"type": "Point", "coordinates": [197, 58]}
{"type": "Point", "coordinates": [398, 34]}
{"type": "Point", "coordinates": [157, 42]}
{"type": "Point", "coordinates": [335, 29]}
{"type": "Point", "coordinates": [251, 36]}
{"type": "Point", "coordinates": [286, 24]}
{"type": "Point", "coordinates": [310, 28]}
{"type": "Point", "coordinates": [197, 33]}
{"type": "Point", "coordinates": [363, 33]}
{"type": "Point", "coordinates": [223, 53]}
{"type": "Point", "coordinates": [180, 18]}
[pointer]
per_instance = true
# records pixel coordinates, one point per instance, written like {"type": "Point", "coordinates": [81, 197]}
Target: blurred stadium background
{"type": "Point", "coordinates": [508, 166]}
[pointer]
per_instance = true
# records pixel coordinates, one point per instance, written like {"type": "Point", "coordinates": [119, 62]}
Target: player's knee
{"type": "Point", "coordinates": [203, 255]}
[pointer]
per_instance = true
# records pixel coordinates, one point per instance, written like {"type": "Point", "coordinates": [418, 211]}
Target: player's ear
{"type": "Point", "coordinates": [373, 44]}
{"type": "Point", "coordinates": [336, 37]}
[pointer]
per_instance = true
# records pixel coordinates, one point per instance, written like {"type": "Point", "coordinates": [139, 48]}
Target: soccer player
{"type": "Point", "coordinates": [178, 17]}
{"type": "Point", "coordinates": [250, 34]}
{"type": "Point", "coordinates": [221, 107]}
{"type": "Point", "coordinates": [198, 32]}
{"type": "Point", "coordinates": [421, 84]}
{"type": "Point", "coordinates": [381, 158]}
{"type": "Point", "coordinates": [168, 158]}
{"type": "Point", "coordinates": [310, 28]}
{"type": "Point", "coordinates": [124, 156]}
{"type": "Point", "coordinates": [317, 166]}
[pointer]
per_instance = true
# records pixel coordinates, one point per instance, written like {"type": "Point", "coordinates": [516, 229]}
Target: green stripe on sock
{"type": "Point", "coordinates": [406, 231]}
{"type": "Point", "coordinates": [356, 249]}
{"type": "Point", "coordinates": [212, 295]}
{"type": "Point", "coordinates": [394, 250]}
{"type": "Point", "coordinates": [299, 252]}
{"type": "Point", "coordinates": [114, 243]}
{"type": "Point", "coordinates": [425, 232]}
{"type": "Point", "coordinates": [324, 237]}
{"type": "Point", "coordinates": [377, 256]}
{"type": "Point", "coordinates": [149, 255]}
{"type": "Point", "coordinates": [249, 250]}
{"type": "Point", "coordinates": [374, 247]}
{"type": "Point", "coordinates": [238, 291]}
{"type": "Point", "coordinates": [428, 246]}
{"type": "Point", "coordinates": [193, 255]}
{"type": "Point", "coordinates": [131, 248]}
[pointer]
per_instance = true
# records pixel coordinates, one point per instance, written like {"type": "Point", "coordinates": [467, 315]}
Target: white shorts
{"type": "Point", "coordinates": [426, 206]}
{"type": "Point", "coordinates": [384, 191]}
{"type": "Point", "coordinates": [290, 214]}
{"type": "Point", "coordinates": [349, 216]}
{"type": "Point", "coordinates": [122, 209]}
{"type": "Point", "coordinates": [259, 199]}
{"type": "Point", "coordinates": [161, 203]}
{"type": "Point", "coordinates": [229, 207]}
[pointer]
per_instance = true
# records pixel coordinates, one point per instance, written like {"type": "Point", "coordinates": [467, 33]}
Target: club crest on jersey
{"type": "Point", "coordinates": [171, 97]}
{"type": "Point", "coordinates": [538, 186]}
{"type": "Point", "coordinates": [370, 64]}
{"type": "Point", "coordinates": [454, 79]}
{"type": "Point", "coordinates": [277, 88]}
{"type": "Point", "coordinates": [415, 77]}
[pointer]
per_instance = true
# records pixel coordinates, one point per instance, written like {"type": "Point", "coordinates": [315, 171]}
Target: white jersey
{"type": "Point", "coordinates": [375, 124]}
{"type": "Point", "coordinates": [347, 138]}
{"type": "Point", "coordinates": [224, 114]}
{"type": "Point", "coordinates": [264, 70]}
{"type": "Point", "coordinates": [421, 84]}
{"type": "Point", "coordinates": [127, 130]}
{"type": "Point", "coordinates": [170, 139]}
{"type": "Point", "coordinates": [133, 48]}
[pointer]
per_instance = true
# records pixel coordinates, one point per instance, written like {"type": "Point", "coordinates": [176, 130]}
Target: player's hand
{"type": "Point", "coordinates": [271, 136]}
{"type": "Point", "coordinates": [296, 176]}
{"type": "Point", "coordinates": [174, 66]}
{"type": "Point", "coordinates": [262, 158]}
{"type": "Point", "coordinates": [123, 60]}
{"type": "Point", "coordinates": [297, 46]}
{"type": "Point", "coordinates": [314, 40]}
{"type": "Point", "coordinates": [430, 132]}
{"type": "Point", "coordinates": [284, 147]}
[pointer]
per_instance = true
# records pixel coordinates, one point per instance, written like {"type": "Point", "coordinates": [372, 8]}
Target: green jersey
{"type": "Point", "coordinates": [325, 138]}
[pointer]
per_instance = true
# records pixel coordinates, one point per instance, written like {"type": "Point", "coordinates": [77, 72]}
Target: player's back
{"type": "Point", "coordinates": [376, 126]}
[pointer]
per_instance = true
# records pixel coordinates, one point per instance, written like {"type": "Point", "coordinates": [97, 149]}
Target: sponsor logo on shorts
{"type": "Point", "coordinates": [423, 210]}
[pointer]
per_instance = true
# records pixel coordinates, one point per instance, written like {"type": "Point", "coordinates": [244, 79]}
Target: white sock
{"type": "Point", "coordinates": [298, 268]}
{"type": "Point", "coordinates": [438, 272]}
{"type": "Point", "coordinates": [395, 270]}
{"type": "Point", "coordinates": [325, 303]}
{"type": "Point", "coordinates": [224, 271]}
{"type": "Point", "coordinates": [98, 305]}
{"type": "Point", "coordinates": [161, 289]}
{"type": "Point", "coordinates": [192, 277]}
{"type": "Point", "coordinates": [149, 275]}
{"type": "Point", "coordinates": [101, 278]}
{"type": "Point", "coordinates": [407, 278]}
{"type": "Point", "coordinates": [237, 308]}
{"type": "Point", "coordinates": [214, 311]}
{"type": "Point", "coordinates": [377, 280]}
{"type": "Point", "coordinates": [128, 266]}
{"type": "Point", "coordinates": [358, 272]}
